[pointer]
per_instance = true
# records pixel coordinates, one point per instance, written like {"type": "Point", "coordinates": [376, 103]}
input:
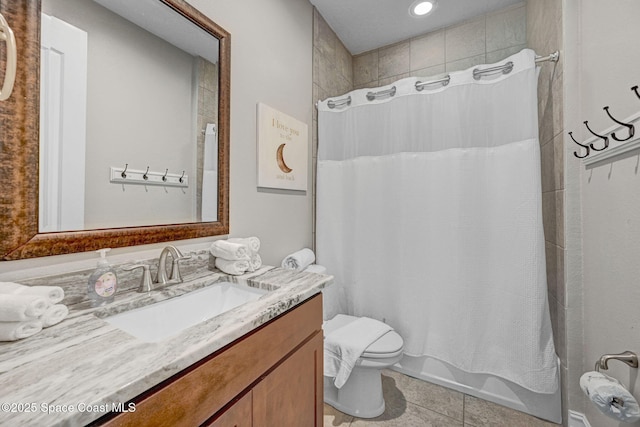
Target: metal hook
{"type": "Point", "coordinates": [605, 138]}
{"type": "Point", "coordinates": [181, 177]}
{"type": "Point", "coordinates": [581, 145]}
{"type": "Point", "coordinates": [164, 178]}
{"type": "Point", "coordinates": [145, 176]}
{"type": "Point", "coordinates": [635, 89]}
{"type": "Point", "coordinates": [124, 174]}
{"type": "Point", "coordinates": [631, 127]}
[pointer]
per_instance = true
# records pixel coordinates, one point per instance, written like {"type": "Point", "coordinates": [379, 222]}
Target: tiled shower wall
{"type": "Point", "coordinates": [332, 76]}
{"type": "Point", "coordinates": [484, 39]}
{"type": "Point", "coordinates": [544, 35]}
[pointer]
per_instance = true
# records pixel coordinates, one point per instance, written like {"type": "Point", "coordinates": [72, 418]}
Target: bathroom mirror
{"type": "Point", "coordinates": [150, 160]}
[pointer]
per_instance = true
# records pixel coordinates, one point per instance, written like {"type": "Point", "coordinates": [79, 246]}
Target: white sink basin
{"type": "Point", "coordinates": [164, 319]}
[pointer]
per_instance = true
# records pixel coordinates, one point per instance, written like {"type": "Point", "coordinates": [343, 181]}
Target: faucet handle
{"type": "Point", "coordinates": [175, 268]}
{"type": "Point", "coordinates": [146, 284]}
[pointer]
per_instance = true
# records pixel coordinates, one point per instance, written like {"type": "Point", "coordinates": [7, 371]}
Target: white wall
{"type": "Point", "coordinates": [271, 62]}
{"type": "Point", "coordinates": [607, 63]}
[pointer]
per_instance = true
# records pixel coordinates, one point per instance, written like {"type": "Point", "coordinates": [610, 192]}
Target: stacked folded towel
{"type": "Point", "coordinates": [299, 260]}
{"type": "Point", "coordinates": [25, 310]}
{"type": "Point", "coordinates": [237, 255]}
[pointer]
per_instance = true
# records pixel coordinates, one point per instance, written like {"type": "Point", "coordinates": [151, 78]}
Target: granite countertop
{"type": "Point", "coordinates": [70, 374]}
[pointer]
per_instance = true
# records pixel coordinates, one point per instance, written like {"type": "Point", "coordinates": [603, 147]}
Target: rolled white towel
{"type": "Point", "coordinates": [18, 308]}
{"type": "Point", "coordinates": [54, 315]}
{"type": "Point", "coordinates": [229, 250]}
{"type": "Point", "coordinates": [54, 294]}
{"type": "Point", "coordinates": [253, 243]}
{"type": "Point", "coordinates": [299, 260]}
{"type": "Point", "coordinates": [233, 267]}
{"type": "Point", "coordinates": [12, 331]}
{"type": "Point", "coordinates": [255, 263]}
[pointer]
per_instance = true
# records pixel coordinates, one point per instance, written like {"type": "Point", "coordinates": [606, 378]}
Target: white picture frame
{"type": "Point", "coordinates": [282, 150]}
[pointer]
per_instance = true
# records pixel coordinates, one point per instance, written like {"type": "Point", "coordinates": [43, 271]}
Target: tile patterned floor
{"type": "Point", "coordinates": [414, 403]}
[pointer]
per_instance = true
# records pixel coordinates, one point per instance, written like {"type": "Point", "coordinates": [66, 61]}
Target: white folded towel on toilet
{"type": "Point", "coordinates": [343, 346]}
{"type": "Point", "coordinates": [230, 251]}
{"type": "Point", "coordinates": [54, 294]}
{"type": "Point", "coordinates": [232, 267]}
{"type": "Point", "coordinates": [12, 331]}
{"type": "Point", "coordinates": [253, 243]}
{"type": "Point", "coordinates": [18, 308]}
{"type": "Point", "coordinates": [54, 315]}
{"type": "Point", "coordinates": [299, 260]}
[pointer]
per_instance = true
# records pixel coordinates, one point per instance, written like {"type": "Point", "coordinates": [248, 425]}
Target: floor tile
{"type": "Point", "coordinates": [335, 418]}
{"type": "Point", "coordinates": [481, 413]}
{"type": "Point", "coordinates": [431, 396]}
{"type": "Point", "coordinates": [408, 415]}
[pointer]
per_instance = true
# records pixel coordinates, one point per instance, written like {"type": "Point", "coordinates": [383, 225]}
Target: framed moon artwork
{"type": "Point", "coordinates": [282, 150]}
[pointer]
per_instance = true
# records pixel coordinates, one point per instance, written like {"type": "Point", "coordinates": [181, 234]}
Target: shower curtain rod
{"type": "Point", "coordinates": [477, 73]}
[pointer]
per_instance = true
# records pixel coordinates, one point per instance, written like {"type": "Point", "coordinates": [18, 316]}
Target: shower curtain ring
{"type": "Point", "coordinates": [181, 178]}
{"type": "Point", "coordinates": [631, 127]}
{"type": "Point", "coordinates": [164, 177]}
{"type": "Point", "coordinates": [635, 89]}
{"type": "Point", "coordinates": [581, 145]}
{"type": "Point", "coordinates": [145, 176]}
{"type": "Point", "coordinates": [603, 137]}
{"type": "Point", "coordinates": [124, 172]}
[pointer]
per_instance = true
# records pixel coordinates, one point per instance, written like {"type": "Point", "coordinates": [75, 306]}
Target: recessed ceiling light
{"type": "Point", "coordinates": [421, 7]}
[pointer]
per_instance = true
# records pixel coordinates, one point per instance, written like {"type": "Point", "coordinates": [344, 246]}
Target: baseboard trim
{"type": "Point", "coordinates": [578, 419]}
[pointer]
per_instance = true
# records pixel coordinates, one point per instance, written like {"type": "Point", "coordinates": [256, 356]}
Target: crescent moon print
{"type": "Point", "coordinates": [281, 164]}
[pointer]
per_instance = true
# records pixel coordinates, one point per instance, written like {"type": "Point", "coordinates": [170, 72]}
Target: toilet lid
{"type": "Point", "coordinates": [388, 345]}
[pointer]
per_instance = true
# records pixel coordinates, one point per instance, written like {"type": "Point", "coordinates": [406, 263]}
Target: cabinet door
{"type": "Point", "coordinates": [238, 415]}
{"type": "Point", "coordinates": [291, 395]}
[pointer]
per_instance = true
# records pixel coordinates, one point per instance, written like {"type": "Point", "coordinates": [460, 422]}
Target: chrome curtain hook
{"type": "Point", "coordinates": [145, 176]}
{"type": "Point", "coordinates": [124, 172]}
{"type": "Point", "coordinates": [631, 127]}
{"type": "Point", "coordinates": [164, 178]}
{"type": "Point", "coordinates": [181, 178]}
{"type": "Point", "coordinates": [605, 138]}
{"type": "Point", "coordinates": [581, 145]}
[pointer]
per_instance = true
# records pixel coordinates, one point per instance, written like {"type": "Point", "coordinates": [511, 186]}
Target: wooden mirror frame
{"type": "Point", "coordinates": [19, 151]}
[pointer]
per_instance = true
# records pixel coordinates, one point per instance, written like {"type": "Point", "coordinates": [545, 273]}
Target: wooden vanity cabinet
{"type": "Point", "coordinates": [270, 377]}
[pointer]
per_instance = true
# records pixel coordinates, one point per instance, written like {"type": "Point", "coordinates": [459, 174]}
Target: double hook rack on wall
{"type": "Point", "coordinates": [628, 126]}
{"type": "Point", "coordinates": [125, 175]}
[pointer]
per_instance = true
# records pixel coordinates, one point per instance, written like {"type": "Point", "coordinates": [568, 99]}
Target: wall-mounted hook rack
{"type": "Point", "coordinates": [148, 177]}
{"type": "Point", "coordinates": [628, 144]}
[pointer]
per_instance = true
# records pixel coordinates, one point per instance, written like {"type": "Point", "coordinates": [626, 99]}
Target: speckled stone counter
{"type": "Point", "coordinates": [72, 373]}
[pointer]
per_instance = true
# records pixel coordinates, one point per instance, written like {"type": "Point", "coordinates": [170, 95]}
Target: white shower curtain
{"type": "Point", "coordinates": [429, 217]}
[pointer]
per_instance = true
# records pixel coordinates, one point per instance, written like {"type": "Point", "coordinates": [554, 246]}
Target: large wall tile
{"type": "Point", "coordinates": [427, 51]}
{"type": "Point", "coordinates": [499, 55]}
{"type": "Point", "coordinates": [365, 68]}
{"type": "Point", "coordinates": [506, 28]}
{"type": "Point", "coordinates": [465, 40]}
{"type": "Point", "coordinates": [393, 60]}
{"type": "Point", "coordinates": [465, 63]}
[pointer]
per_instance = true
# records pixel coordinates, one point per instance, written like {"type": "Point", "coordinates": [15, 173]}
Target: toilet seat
{"type": "Point", "coordinates": [387, 346]}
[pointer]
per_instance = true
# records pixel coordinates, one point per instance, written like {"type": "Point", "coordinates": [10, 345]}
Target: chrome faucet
{"type": "Point", "coordinates": [177, 256]}
{"type": "Point", "coordinates": [147, 284]}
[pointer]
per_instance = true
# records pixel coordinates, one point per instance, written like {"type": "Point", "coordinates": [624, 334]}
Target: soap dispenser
{"type": "Point", "coordinates": [103, 282]}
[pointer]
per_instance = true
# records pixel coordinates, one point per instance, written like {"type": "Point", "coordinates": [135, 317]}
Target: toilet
{"type": "Point", "coordinates": [361, 395]}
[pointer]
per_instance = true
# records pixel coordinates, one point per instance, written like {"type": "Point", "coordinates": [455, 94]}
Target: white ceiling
{"type": "Point", "coordinates": [363, 25]}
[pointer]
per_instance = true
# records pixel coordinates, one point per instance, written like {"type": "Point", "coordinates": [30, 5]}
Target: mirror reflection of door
{"type": "Point", "coordinates": [143, 94]}
{"type": "Point", "coordinates": [63, 100]}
